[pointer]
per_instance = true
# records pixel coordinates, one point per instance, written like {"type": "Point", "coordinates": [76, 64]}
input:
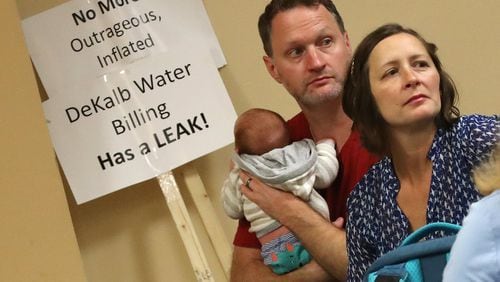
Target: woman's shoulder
{"type": "Point", "coordinates": [478, 121]}
{"type": "Point", "coordinates": [479, 118]}
{"type": "Point", "coordinates": [370, 184]}
{"type": "Point", "coordinates": [473, 127]}
{"type": "Point", "coordinates": [378, 171]}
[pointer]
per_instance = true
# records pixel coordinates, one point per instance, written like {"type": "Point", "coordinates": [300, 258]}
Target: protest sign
{"type": "Point", "coordinates": [133, 89]}
{"type": "Point", "coordinates": [81, 40]}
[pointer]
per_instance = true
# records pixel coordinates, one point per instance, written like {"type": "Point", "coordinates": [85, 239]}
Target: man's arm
{"type": "Point", "coordinates": [247, 265]}
{"type": "Point", "coordinates": [325, 242]}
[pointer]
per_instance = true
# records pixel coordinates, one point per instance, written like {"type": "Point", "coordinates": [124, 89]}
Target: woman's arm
{"type": "Point", "coordinates": [478, 134]}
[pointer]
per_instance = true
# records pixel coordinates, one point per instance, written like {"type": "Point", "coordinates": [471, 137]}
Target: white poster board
{"type": "Point", "coordinates": [133, 89]}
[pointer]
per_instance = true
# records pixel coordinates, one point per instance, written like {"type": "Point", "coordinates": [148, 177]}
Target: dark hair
{"type": "Point", "coordinates": [276, 6]}
{"type": "Point", "coordinates": [258, 131]}
{"type": "Point", "coordinates": [358, 101]}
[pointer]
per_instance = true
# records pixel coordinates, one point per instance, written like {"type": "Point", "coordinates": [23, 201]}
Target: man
{"type": "Point", "coordinates": [309, 53]}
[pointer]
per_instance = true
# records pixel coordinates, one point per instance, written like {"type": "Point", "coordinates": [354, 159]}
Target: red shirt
{"type": "Point", "coordinates": [354, 162]}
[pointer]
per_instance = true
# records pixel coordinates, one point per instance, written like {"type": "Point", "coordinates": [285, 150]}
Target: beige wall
{"type": "Point", "coordinates": [129, 235]}
{"type": "Point", "coordinates": [37, 241]}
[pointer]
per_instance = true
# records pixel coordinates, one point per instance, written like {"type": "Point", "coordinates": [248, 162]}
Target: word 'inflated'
{"type": "Point", "coordinates": [120, 52]}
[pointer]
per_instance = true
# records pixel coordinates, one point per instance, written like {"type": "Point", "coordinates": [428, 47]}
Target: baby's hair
{"type": "Point", "coordinates": [258, 131]}
{"type": "Point", "coordinates": [487, 174]}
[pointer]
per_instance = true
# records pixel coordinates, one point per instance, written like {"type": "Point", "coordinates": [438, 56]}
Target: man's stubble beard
{"type": "Point", "coordinates": [313, 99]}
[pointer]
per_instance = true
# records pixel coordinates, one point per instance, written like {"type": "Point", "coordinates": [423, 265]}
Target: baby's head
{"type": "Point", "coordinates": [258, 131]}
{"type": "Point", "coordinates": [487, 174]}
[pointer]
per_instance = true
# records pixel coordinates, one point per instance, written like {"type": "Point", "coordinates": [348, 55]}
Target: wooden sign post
{"type": "Point", "coordinates": [205, 209]}
{"type": "Point", "coordinates": [183, 223]}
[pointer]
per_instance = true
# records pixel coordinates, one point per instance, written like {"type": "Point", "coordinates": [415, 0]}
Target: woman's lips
{"type": "Point", "coordinates": [415, 98]}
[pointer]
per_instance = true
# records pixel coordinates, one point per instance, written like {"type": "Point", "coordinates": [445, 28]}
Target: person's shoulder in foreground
{"type": "Point", "coordinates": [475, 255]}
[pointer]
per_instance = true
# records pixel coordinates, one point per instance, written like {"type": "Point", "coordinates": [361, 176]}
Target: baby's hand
{"type": "Point", "coordinates": [327, 140]}
{"type": "Point", "coordinates": [339, 222]}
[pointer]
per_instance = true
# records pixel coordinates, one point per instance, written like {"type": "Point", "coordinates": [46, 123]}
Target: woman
{"type": "Point", "coordinates": [403, 104]}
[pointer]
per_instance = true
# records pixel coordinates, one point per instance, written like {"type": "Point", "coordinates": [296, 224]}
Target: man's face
{"type": "Point", "coordinates": [311, 55]}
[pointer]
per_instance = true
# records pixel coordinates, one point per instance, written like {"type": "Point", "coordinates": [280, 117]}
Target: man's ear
{"type": "Point", "coordinates": [271, 68]}
{"type": "Point", "coordinates": [347, 41]}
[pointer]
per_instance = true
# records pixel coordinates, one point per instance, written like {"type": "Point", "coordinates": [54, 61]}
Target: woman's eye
{"type": "Point", "coordinates": [390, 72]}
{"type": "Point", "coordinates": [421, 64]}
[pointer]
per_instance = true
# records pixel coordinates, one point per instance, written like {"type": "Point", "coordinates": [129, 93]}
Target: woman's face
{"type": "Point", "coordinates": [404, 81]}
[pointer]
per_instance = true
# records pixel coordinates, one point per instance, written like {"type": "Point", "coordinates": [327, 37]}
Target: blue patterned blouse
{"type": "Point", "coordinates": [377, 225]}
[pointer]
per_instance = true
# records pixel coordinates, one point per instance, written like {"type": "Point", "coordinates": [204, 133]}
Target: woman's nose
{"type": "Point", "coordinates": [411, 78]}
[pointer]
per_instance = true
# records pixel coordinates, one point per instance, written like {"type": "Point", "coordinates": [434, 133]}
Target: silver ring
{"type": "Point", "coordinates": [247, 183]}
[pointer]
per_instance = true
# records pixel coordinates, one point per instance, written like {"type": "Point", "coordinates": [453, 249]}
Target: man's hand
{"type": "Point", "coordinates": [248, 266]}
{"type": "Point", "coordinates": [272, 201]}
{"type": "Point", "coordinates": [325, 241]}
